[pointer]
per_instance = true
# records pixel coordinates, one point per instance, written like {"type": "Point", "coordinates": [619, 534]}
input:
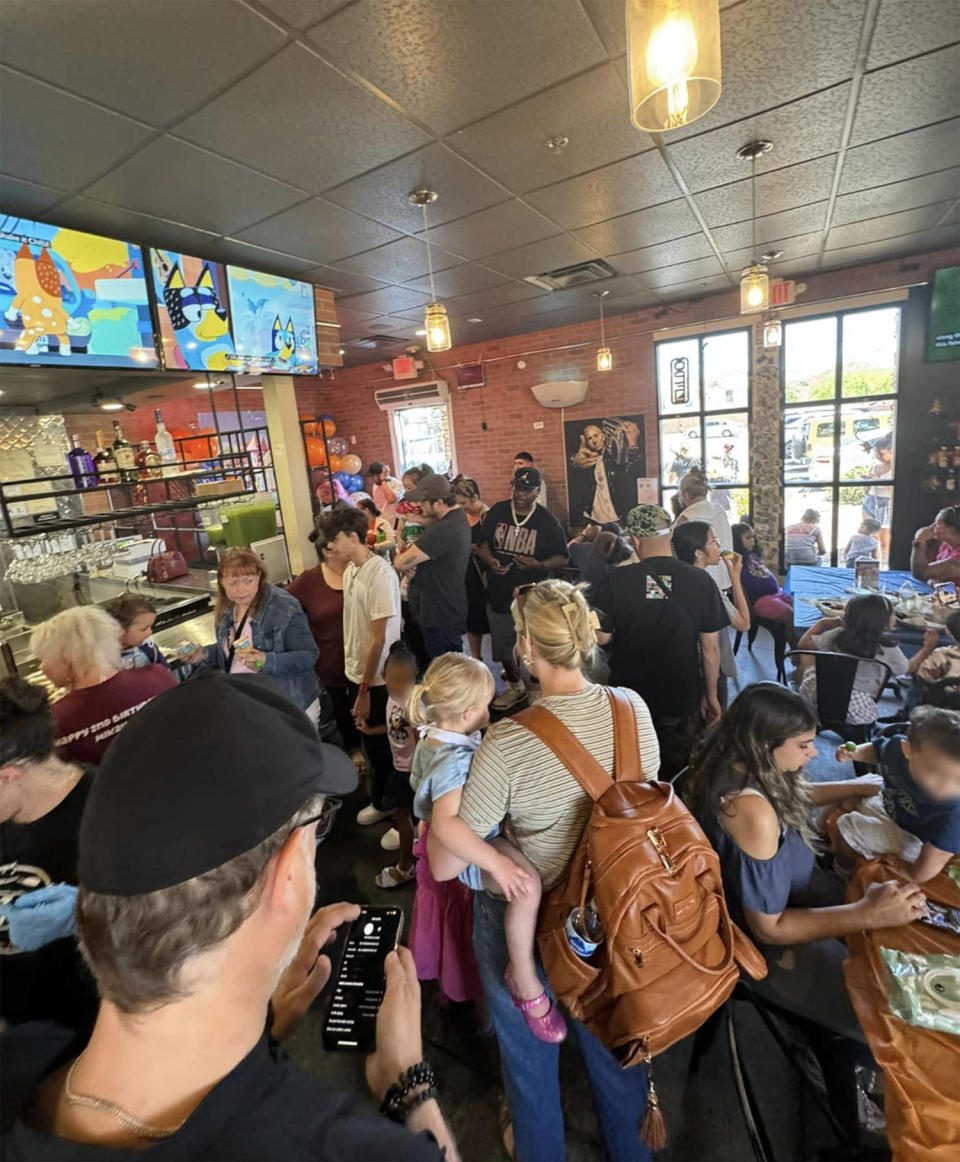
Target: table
{"type": "Point", "coordinates": [921, 1067]}
{"type": "Point", "coordinates": [817, 584]}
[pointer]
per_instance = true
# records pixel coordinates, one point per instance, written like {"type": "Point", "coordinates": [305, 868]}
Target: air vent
{"type": "Point", "coordinates": [570, 276]}
{"type": "Point", "coordinates": [370, 342]}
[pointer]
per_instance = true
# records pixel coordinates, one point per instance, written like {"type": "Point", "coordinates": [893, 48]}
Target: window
{"type": "Point", "coordinates": [703, 405]}
{"type": "Point", "coordinates": [840, 409]}
{"type": "Point", "coordinates": [423, 435]}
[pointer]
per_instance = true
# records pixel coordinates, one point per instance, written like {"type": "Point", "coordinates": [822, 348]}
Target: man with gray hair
{"type": "Point", "coordinates": [697, 505]}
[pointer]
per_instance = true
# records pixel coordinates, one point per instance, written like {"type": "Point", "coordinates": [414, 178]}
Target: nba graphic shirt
{"type": "Point", "coordinates": [539, 535]}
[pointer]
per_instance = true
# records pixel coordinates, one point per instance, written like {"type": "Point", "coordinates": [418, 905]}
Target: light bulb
{"type": "Point", "coordinates": [755, 295]}
{"type": "Point", "coordinates": [436, 335]}
{"type": "Point", "coordinates": [604, 359]}
{"type": "Point", "coordinates": [671, 56]}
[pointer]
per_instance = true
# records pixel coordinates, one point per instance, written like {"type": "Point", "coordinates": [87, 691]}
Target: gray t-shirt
{"type": "Point", "coordinates": [438, 591]}
{"type": "Point", "coordinates": [867, 676]}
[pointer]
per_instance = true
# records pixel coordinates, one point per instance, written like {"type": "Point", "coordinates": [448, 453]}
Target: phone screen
{"type": "Point", "coordinates": [940, 916]}
{"type": "Point", "coordinates": [946, 592]}
{"type": "Point", "coordinates": [360, 983]}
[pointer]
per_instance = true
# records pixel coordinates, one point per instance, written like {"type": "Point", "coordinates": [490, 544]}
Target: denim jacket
{"type": "Point", "coordinates": [281, 632]}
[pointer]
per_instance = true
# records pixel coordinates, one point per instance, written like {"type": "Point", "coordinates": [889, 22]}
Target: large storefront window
{"type": "Point", "coordinates": [703, 404]}
{"type": "Point", "coordinates": [840, 399]}
{"type": "Point", "coordinates": [423, 435]}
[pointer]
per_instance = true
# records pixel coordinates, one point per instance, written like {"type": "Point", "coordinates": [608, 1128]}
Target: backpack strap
{"type": "Point", "coordinates": [566, 747]}
{"type": "Point", "coordinates": [626, 746]}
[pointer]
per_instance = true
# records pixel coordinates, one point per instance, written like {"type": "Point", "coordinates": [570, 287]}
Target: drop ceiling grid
{"type": "Point", "coordinates": [481, 141]}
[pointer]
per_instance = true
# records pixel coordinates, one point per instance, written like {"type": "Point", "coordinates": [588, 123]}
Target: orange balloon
{"type": "Point", "coordinates": [329, 428]}
{"type": "Point", "coordinates": [309, 426]}
{"type": "Point", "coordinates": [316, 452]}
{"type": "Point", "coordinates": [334, 464]}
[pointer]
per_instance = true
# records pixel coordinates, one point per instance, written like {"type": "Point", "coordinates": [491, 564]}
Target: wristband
{"type": "Point", "coordinates": [364, 688]}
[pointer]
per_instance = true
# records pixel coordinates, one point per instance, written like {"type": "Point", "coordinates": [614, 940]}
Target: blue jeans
{"type": "Point", "coordinates": [443, 640]}
{"type": "Point", "coordinates": [531, 1068]}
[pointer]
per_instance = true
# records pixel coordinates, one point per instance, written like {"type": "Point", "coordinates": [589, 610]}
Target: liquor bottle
{"type": "Point", "coordinates": [123, 454]}
{"type": "Point", "coordinates": [81, 465]}
{"type": "Point", "coordinates": [166, 449]}
{"type": "Point", "coordinates": [104, 462]}
{"type": "Point", "coordinates": [147, 461]}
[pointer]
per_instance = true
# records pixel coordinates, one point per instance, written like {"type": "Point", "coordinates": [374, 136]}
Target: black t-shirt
{"type": "Point", "coordinates": [438, 591]}
{"type": "Point", "coordinates": [265, 1108]}
{"type": "Point", "coordinates": [51, 983]}
{"type": "Point", "coordinates": [540, 536]}
{"type": "Point", "coordinates": [656, 611]}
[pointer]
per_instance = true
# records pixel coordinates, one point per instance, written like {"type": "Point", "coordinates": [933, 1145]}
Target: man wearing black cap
{"type": "Point", "coordinates": [521, 544]}
{"type": "Point", "coordinates": [196, 884]}
{"type": "Point", "coordinates": [438, 590]}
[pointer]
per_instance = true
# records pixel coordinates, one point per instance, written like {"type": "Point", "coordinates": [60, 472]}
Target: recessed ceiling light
{"type": "Point", "coordinates": [422, 331]}
{"type": "Point", "coordinates": [555, 144]}
{"type": "Point", "coordinates": [474, 320]}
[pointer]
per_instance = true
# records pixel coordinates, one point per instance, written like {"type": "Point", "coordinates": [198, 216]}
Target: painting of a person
{"type": "Point", "coordinates": [605, 463]}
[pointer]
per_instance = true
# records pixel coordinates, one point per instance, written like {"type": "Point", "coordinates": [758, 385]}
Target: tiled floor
{"type": "Point", "coordinates": [702, 1115]}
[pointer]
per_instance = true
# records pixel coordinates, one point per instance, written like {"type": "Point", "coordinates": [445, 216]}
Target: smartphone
{"type": "Point", "coordinates": [360, 982]}
{"type": "Point", "coordinates": [942, 917]}
{"type": "Point", "coordinates": [946, 593]}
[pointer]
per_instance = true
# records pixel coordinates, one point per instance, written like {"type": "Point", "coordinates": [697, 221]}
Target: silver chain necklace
{"type": "Point", "coordinates": [516, 519]}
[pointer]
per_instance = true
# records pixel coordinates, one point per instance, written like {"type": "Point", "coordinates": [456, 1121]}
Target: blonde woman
{"type": "Point", "coordinates": [518, 785]}
{"type": "Point", "coordinates": [79, 649]}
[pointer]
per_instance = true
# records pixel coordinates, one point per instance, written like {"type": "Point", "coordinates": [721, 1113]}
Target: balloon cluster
{"type": "Point", "coordinates": [334, 455]}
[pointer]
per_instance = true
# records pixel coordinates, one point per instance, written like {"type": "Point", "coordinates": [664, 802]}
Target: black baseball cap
{"type": "Point", "coordinates": [201, 774]}
{"type": "Point", "coordinates": [526, 479]}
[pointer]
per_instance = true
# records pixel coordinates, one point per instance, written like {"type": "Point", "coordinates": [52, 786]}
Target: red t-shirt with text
{"type": "Point", "coordinates": [86, 721]}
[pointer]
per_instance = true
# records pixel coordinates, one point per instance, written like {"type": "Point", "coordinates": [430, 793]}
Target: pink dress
{"type": "Point", "coordinates": [948, 552]}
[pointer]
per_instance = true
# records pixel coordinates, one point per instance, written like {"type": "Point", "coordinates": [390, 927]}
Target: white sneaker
{"type": "Point", "coordinates": [390, 841]}
{"type": "Point", "coordinates": [370, 814]}
{"type": "Point", "coordinates": [513, 693]}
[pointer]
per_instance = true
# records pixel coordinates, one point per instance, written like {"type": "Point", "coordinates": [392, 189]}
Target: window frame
{"type": "Point", "coordinates": [837, 404]}
{"type": "Point", "coordinates": [398, 467]}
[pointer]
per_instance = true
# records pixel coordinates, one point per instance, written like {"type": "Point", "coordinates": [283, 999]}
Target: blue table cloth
{"type": "Point", "coordinates": [818, 583]}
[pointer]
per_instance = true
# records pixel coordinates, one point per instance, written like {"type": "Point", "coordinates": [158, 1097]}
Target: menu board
{"type": "Point", "coordinates": [193, 312]}
{"type": "Point", "coordinates": [72, 299]}
{"type": "Point", "coordinates": [274, 328]}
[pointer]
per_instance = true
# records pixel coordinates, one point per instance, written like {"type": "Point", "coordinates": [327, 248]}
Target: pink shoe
{"type": "Point", "coordinates": [550, 1027]}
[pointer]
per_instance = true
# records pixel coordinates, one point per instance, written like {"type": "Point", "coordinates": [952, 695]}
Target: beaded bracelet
{"type": "Point", "coordinates": [394, 1104]}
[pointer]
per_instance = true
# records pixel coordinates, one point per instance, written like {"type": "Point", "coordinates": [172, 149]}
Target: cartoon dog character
{"type": "Point", "coordinates": [284, 340]}
{"type": "Point", "coordinates": [38, 301]}
{"type": "Point", "coordinates": [196, 306]}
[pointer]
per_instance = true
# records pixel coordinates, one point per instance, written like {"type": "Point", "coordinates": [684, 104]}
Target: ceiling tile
{"type": "Point", "coordinates": [876, 251]}
{"type": "Point", "coordinates": [887, 226]}
{"type": "Point", "coordinates": [799, 246]}
{"type": "Point", "coordinates": [298, 118]}
{"type": "Point", "coordinates": [450, 64]}
{"type": "Point", "coordinates": [908, 95]}
{"type": "Point", "coordinates": [780, 190]}
{"type": "Point", "coordinates": [696, 289]}
{"type": "Point", "coordinates": [666, 254]}
{"type": "Point", "coordinates": [48, 135]}
{"type": "Point", "coordinates": [537, 257]}
{"type": "Point", "coordinates": [636, 302]}
{"type": "Point", "coordinates": [400, 260]}
{"type": "Point", "coordinates": [642, 228]}
{"type": "Point", "coordinates": [136, 57]}
{"type": "Point", "coordinates": [318, 231]}
{"type": "Point", "coordinates": [803, 130]}
{"type": "Point", "coordinates": [460, 280]}
{"type": "Point", "coordinates": [592, 110]}
{"type": "Point", "coordinates": [239, 253]}
{"type": "Point", "coordinates": [390, 325]}
{"type": "Point", "coordinates": [607, 16]}
{"type": "Point", "coordinates": [905, 30]}
{"type": "Point", "coordinates": [341, 281]}
{"type": "Point", "coordinates": [388, 300]}
{"type": "Point", "coordinates": [606, 193]}
{"type": "Point", "coordinates": [303, 13]}
{"type": "Point", "coordinates": [170, 179]}
{"type": "Point", "coordinates": [101, 218]}
{"type": "Point", "coordinates": [348, 318]}
{"type": "Point", "coordinates": [490, 231]}
{"type": "Point", "coordinates": [683, 272]}
{"type": "Point", "coordinates": [903, 156]}
{"type": "Point", "coordinates": [786, 224]}
{"type": "Point", "coordinates": [26, 198]}
{"type": "Point", "coordinates": [383, 193]}
{"type": "Point", "coordinates": [508, 292]}
{"type": "Point", "coordinates": [887, 199]}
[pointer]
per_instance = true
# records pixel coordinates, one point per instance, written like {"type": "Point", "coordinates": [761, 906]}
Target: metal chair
{"type": "Point", "coordinates": [776, 630]}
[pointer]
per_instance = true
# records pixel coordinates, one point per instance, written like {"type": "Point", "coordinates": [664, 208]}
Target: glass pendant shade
{"type": "Point", "coordinates": [772, 331]}
{"type": "Point", "coordinates": [604, 359]}
{"type": "Point", "coordinates": [673, 61]}
{"type": "Point", "coordinates": [754, 289]}
{"type": "Point", "coordinates": [438, 327]}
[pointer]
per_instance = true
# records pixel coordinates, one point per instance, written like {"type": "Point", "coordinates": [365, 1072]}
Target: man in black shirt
{"type": "Point", "coordinates": [438, 590]}
{"type": "Point", "coordinates": [521, 544]}
{"type": "Point", "coordinates": [197, 880]}
{"type": "Point", "coordinates": [661, 618]}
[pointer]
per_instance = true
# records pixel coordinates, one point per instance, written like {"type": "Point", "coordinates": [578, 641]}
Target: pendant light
{"type": "Point", "coordinates": [435, 320]}
{"type": "Point", "coordinates": [754, 282]}
{"type": "Point", "coordinates": [673, 61]}
{"type": "Point", "coordinates": [604, 354]}
{"type": "Point", "coordinates": [772, 330]}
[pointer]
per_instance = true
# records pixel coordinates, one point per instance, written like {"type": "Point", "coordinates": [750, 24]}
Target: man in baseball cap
{"type": "Point", "coordinates": [197, 880]}
{"type": "Point", "coordinates": [661, 618]}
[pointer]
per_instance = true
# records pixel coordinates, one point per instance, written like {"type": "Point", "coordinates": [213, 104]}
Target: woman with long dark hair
{"type": "Point", "coordinates": [935, 555]}
{"type": "Point", "coordinates": [747, 789]}
{"type": "Point", "coordinates": [864, 631]}
{"type": "Point", "coordinates": [760, 583]}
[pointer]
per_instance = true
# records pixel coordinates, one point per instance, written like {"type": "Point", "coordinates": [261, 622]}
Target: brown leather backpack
{"type": "Point", "coordinates": [671, 954]}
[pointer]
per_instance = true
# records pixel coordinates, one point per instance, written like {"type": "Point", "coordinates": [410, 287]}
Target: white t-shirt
{"type": "Point", "coordinates": [370, 591]}
{"type": "Point", "coordinates": [603, 511]}
{"type": "Point", "coordinates": [714, 515]}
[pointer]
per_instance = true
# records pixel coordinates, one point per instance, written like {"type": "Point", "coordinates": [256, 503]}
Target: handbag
{"type": "Point", "coordinates": [167, 565]}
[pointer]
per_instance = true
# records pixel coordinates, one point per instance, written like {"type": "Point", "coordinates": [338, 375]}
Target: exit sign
{"type": "Point", "coordinates": [783, 292]}
{"type": "Point", "coordinates": [404, 367]}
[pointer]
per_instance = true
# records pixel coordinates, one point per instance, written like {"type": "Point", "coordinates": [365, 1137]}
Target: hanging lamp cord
{"type": "Point", "coordinates": [426, 230]}
{"type": "Point", "coordinates": [753, 191]}
{"type": "Point", "coordinates": [603, 340]}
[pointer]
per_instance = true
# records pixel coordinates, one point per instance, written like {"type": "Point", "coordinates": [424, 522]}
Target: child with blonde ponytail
{"type": "Point", "coordinates": [452, 705]}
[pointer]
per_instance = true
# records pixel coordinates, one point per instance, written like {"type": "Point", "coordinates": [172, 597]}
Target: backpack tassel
{"type": "Point", "coordinates": [653, 1128]}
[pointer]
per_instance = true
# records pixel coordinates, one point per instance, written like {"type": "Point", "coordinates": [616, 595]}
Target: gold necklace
{"type": "Point", "coordinates": [108, 1107]}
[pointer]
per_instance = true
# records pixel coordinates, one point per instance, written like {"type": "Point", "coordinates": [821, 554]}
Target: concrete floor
{"type": "Point", "coordinates": [703, 1116]}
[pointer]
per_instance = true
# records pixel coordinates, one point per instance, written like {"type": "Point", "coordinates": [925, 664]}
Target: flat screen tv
{"type": "Point", "coordinates": [193, 312]}
{"type": "Point", "coordinates": [274, 327]}
{"type": "Point", "coordinates": [943, 326]}
{"type": "Point", "coordinates": [70, 299]}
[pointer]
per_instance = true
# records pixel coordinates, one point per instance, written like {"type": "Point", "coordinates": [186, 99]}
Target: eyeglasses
{"type": "Point", "coordinates": [323, 819]}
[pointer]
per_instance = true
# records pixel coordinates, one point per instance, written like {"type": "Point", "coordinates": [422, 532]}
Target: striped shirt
{"type": "Point", "coordinates": [515, 777]}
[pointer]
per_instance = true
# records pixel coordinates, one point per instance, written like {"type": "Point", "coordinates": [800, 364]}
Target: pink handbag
{"type": "Point", "coordinates": [167, 565]}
